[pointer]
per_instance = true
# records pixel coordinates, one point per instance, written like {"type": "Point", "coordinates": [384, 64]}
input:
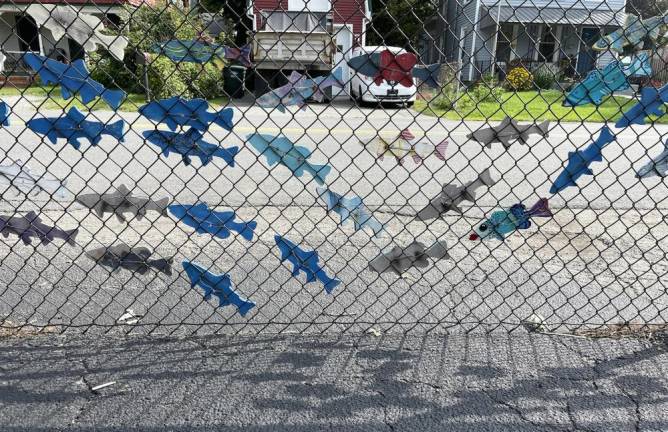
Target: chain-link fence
{"type": "Point", "coordinates": [307, 166]}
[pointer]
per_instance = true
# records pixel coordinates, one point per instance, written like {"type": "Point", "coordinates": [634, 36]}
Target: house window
{"type": "Point", "coordinates": [548, 44]}
{"type": "Point", "coordinates": [504, 43]}
{"type": "Point", "coordinates": [309, 5]}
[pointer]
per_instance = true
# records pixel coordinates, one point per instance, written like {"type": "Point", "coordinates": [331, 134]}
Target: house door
{"type": "Point", "coordinates": [344, 48]}
{"type": "Point", "coordinates": [587, 56]}
{"type": "Point", "coordinates": [27, 33]}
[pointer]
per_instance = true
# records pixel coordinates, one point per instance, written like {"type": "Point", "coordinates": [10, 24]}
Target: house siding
{"type": "Point", "coordinates": [467, 20]}
{"type": "Point", "coordinates": [350, 12]}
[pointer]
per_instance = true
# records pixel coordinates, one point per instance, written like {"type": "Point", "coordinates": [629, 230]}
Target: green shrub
{"type": "Point", "coordinates": [188, 80]}
{"type": "Point", "coordinates": [545, 77]}
{"type": "Point", "coordinates": [447, 97]}
{"type": "Point", "coordinates": [519, 79]}
{"type": "Point", "coordinates": [144, 26]}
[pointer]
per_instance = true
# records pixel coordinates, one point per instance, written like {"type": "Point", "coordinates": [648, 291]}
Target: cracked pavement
{"type": "Point", "coordinates": [457, 382]}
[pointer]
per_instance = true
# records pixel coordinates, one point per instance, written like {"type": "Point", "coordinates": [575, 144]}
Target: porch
{"type": "Point", "coordinates": [19, 34]}
{"type": "Point", "coordinates": [561, 40]}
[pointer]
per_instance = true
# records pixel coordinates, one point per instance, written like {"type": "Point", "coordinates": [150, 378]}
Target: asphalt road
{"type": "Point", "coordinates": [600, 260]}
{"type": "Point", "coordinates": [501, 382]}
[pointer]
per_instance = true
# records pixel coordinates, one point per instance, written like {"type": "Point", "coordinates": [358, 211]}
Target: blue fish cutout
{"type": "Point", "coordinates": [613, 77]}
{"type": "Point", "coordinates": [350, 208]}
{"type": "Point", "coordinates": [429, 75]}
{"type": "Point", "coordinates": [73, 126]}
{"type": "Point", "coordinates": [651, 102]}
{"type": "Point", "coordinates": [194, 51]}
{"type": "Point", "coordinates": [579, 161]}
{"type": "Point", "coordinates": [281, 149]}
{"type": "Point", "coordinates": [219, 285]}
{"type": "Point", "coordinates": [189, 144]}
{"type": "Point", "coordinates": [73, 78]}
{"type": "Point", "coordinates": [306, 261]}
{"type": "Point", "coordinates": [176, 111]}
{"type": "Point", "coordinates": [4, 114]}
{"type": "Point", "coordinates": [207, 221]}
{"type": "Point", "coordinates": [369, 65]}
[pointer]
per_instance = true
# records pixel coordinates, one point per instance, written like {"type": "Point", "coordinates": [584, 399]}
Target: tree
{"type": "Point", "coordinates": [399, 22]}
{"type": "Point", "coordinates": [647, 8]}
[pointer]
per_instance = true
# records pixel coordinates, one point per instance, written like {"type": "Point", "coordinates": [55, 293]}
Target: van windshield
{"type": "Point", "coordinates": [280, 21]}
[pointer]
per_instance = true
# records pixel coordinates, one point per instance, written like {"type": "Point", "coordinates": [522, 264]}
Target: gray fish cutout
{"type": "Point", "coordinates": [658, 166]}
{"type": "Point", "coordinates": [121, 201]}
{"type": "Point", "coordinates": [135, 259]}
{"type": "Point", "coordinates": [20, 176]}
{"type": "Point", "coordinates": [30, 226]}
{"type": "Point", "coordinates": [452, 196]}
{"type": "Point", "coordinates": [67, 22]}
{"type": "Point", "coordinates": [399, 260]}
{"type": "Point", "coordinates": [509, 130]}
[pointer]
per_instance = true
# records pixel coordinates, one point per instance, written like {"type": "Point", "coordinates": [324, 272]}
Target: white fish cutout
{"type": "Point", "coordinates": [83, 28]}
{"type": "Point", "coordinates": [405, 144]}
{"type": "Point", "coordinates": [19, 175]}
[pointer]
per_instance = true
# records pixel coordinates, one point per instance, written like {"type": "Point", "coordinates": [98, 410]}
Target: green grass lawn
{"type": "Point", "coordinates": [534, 105]}
{"type": "Point", "coordinates": [48, 97]}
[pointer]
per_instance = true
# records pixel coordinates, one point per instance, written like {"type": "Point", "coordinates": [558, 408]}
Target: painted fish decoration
{"type": "Point", "coordinates": [613, 77]}
{"type": "Point", "coordinates": [373, 65]}
{"type": "Point", "coordinates": [651, 102]}
{"type": "Point", "coordinates": [136, 259]}
{"type": "Point", "coordinates": [219, 285]}
{"type": "Point", "coordinates": [194, 51]}
{"type": "Point", "coordinates": [282, 150]}
{"type": "Point", "coordinates": [579, 161]}
{"type": "Point", "coordinates": [503, 222]}
{"type": "Point", "coordinates": [452, 196]}
{"type": "Point", "coordinates": [21, 177]}
{"type": "Point", "coordinates": [73, 126]}
{"type": "Point", "coordinates": [122, 201]}
{"type": "Point", "coordinates": [306, 261]}
{"type": "Point", "coordinates": [405, 144]}
{"type": "Point", "coordinates": [658, 166]}
{"type": "Point", "coordinates": [509, 130]}
{"type": "Point", "coordinates": [398, 260]}
{"type": "Point", "coordinates": [299, 89]}
{"type": "Point", "coordinates": [176, 111]}
{"type": "Point", "coordinates": [635, 34]}
{"type": "Point", "coordinates": [30, 226]}
{"type": "Point", "coordinates": [4, 114]}
{"type": "Point", "coordinates": [73, 79]}
{"type": "Point", "coordinates": [66, 22]}
{"type": "Point", "coordinates": [208, 221]}
{"type": "Point", "coordinates": [349, 208]}
{"type": "Point", "coordinates": [190, 143]}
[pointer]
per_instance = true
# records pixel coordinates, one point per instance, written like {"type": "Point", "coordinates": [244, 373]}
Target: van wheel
{"type": "Point", "coordinates": [359, 99]}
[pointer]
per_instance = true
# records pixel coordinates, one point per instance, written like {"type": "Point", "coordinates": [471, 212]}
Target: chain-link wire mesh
{"type": "Point", "coordinates": [356, 129]}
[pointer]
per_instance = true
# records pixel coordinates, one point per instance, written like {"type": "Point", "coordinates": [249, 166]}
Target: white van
{"type": "Point", "coordinates": [363, 89]}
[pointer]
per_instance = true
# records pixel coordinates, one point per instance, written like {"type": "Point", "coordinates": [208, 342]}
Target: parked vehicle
{"type": "Point", "coordinates": [363, 89]}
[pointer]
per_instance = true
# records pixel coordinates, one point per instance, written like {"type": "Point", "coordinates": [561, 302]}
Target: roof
{"type": "Point", "coordinates": [556, 16]}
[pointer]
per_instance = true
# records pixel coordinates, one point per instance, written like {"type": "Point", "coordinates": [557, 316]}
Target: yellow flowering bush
{"type": "Point", "coordinates": [519, 79]}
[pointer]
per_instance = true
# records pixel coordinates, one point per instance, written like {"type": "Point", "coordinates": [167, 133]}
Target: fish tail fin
{"type": "Point", "coordinates": [227, 154]}
{"type": "Point", "coordinates": [544, 128]}
{"type": "Point", "coordinates": [116, 130]}
{"type": "Point", "coordinates": [440, 149]}
{"type": "Point", "coordinates": [247, 229]}
{"type": "Point", "coordinates": [224, 118]}
{"type": "Point", "coordinates": [245, 307]}
{"type": "Point", "coordinates": [116, 45]}
{"type": "Point", "coordinates": [486, 178]}
{"type": "Point", "coordinates": [321, 171]}
{"type": "Point", "coordinates": [337, 78]}
{"type": "Point", "coordinates": [165, 265]}
{"type": "Point", "coordinates": [417, 158]}
{"type": "Point", "coordinates": [71, 236]}
{"type": "Point", "coordinates": [328, 282]}
{"type": "Point", "coordinates": [540, 209]}
{"type": "Point", "coordinates": [161, 205]}
{"type": "Point", "coordinates": [113, 97]}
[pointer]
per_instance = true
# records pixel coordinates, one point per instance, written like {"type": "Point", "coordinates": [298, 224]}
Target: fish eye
{"type": "Point", "coordinates": [483, 227]}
